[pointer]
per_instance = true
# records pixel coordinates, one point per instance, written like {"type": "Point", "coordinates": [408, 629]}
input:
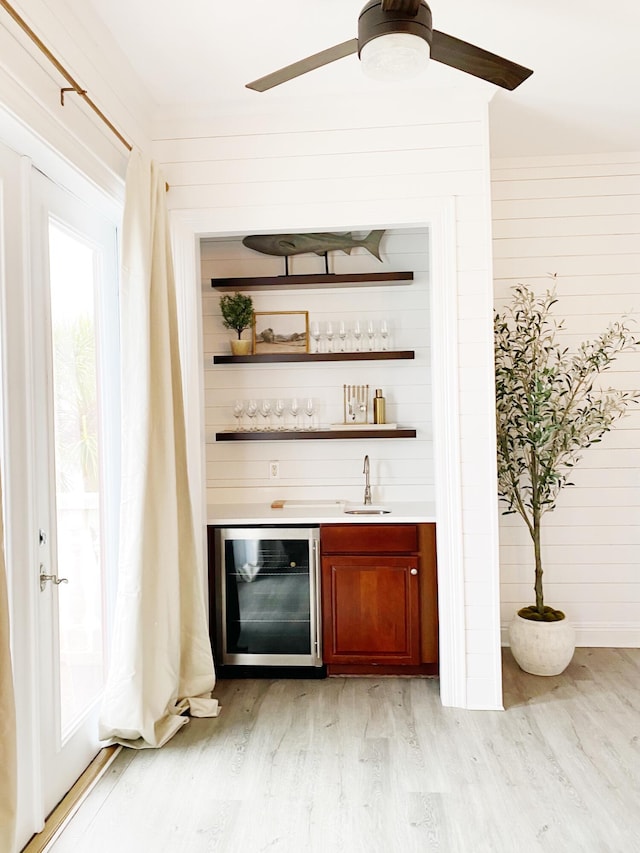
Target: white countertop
{"type": "Point", "coordinates": [261, 513]}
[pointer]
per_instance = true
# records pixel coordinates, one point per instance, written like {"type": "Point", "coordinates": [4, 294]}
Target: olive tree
{"type": "Point", "coordinates": [549, 409]}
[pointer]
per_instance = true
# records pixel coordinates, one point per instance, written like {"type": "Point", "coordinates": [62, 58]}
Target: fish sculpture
{"type": "Point", "coordinates": [286, 245]}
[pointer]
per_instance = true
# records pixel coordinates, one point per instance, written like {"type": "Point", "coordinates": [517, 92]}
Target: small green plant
{"type": "Point", "coordinates": [548, 411]}
{"type": "Point", "coordinates": [237, 312]}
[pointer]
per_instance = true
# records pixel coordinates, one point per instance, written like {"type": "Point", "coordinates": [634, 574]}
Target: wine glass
{"type": "Point", "coordinates": [309, 410]}
{"type": "Point", "coordinates": [265, 411]}
{"type": "Point", "coordinates": [342, 334]}
{"type": "Point", "coordinates": [384, 334]}
{"type": "Point", "coordinates": [357, 334]}
{"type": "Point", "coordinates": [238, 412]}
{"type": "Point", "coordinates": [371, 334]}
{"type": "Point", "coordinates": [252, 411]}
{"type": "Point", "coordinates": [329, 332]}
{"type": "Point", "coordinates": [278, 411]}
{"type": "Point", "coordinates": [294, 408]}
{"type": "Point", "coordinates": [314, 331]}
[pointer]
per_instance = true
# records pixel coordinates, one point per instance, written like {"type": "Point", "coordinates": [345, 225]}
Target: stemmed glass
{"type": "Point", "coordinates": [238, 412]}
{"type": "Point", "coordinates": [265, 411]}
{"type": "Point", "coordinates": [384, 334]}
{"type": "Point", "coordinates": [371, 334]}
{"type": "Point", "coordinates": [314, 331]}
{"type": "Point", "coordinates": [329, 333]}
{"type": "Point", "coordinates": [252, 411]}
{"type": "Point", "coordinates": [342, 334]}
{"type": "Point", "coordinates": [294, 408]}
{"type": "Point", "coordinates": [278, 411]}
{"type": "Point", "coordinates": [357, 334]}
{"type": "Point", "coordinates": [309, 410]}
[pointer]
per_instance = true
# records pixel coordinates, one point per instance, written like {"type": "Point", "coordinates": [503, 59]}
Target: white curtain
{"type": "Point", "coordinates": [161, 662]}
{"type": "Point", "coordinates": [8, 770]}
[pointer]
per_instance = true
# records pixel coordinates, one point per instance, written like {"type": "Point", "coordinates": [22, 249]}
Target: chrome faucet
{"type": "Point", "coordinates": [367, 485]}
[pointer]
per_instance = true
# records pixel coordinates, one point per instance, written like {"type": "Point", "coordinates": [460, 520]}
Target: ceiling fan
{"type": "Point", "coordinates": [405, 27]}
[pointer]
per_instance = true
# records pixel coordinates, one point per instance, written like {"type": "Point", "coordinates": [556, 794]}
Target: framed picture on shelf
{"type": "Point", "coordinates": [280, 331]}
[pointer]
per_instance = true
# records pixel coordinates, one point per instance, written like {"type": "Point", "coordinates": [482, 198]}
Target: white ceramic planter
{"type": "Point", "coordinates": [542, 648]}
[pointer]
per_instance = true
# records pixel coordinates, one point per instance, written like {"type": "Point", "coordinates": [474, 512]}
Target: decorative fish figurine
{"type": "Point", "coordinates": [286, 245]}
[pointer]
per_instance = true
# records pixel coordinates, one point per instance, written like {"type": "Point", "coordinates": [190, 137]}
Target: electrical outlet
{"type": "Point", "coordinates": [274, 470]}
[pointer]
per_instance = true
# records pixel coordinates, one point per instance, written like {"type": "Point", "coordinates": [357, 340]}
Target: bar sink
{"type": "Point", "coordinates": [365, 509]}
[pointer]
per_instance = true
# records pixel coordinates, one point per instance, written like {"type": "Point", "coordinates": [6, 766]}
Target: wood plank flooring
{"type": "Point", "coordinates": [365, 765]}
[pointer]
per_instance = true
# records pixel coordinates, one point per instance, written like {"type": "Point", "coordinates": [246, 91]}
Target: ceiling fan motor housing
{"type": "Point", "coordinates": [374, 22]}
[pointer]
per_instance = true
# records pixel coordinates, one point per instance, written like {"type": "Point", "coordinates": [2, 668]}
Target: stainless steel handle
{"type": "Point", "coordinates": [414, 571]}
{"type": "Point", "coordinates": [317, 640]}
{"type": "Point", "coordinates": [53, 578]}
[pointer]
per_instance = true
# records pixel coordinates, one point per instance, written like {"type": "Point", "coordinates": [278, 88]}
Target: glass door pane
{"type": "Point", "coordinates": [77, 540]}
{"type": "Point", "coordinates": [268, 600]}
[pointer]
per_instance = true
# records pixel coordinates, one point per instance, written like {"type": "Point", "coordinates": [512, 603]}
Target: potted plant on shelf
{"type": "Point", "coordinates": [237, 314]}
{"type": "Point", "coordinates": [548, 411]}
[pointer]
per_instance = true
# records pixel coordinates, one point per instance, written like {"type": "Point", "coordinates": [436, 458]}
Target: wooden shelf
{"type": "Point", "coordinates": [316, 434]}
{"type": "Point", "coordinates": [271, 358]}
{"type": "Point", "coordinates": [313, 280]}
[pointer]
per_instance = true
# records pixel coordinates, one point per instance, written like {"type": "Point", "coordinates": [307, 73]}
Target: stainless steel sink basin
{"type": "Point", "coordinates": [366, 509]}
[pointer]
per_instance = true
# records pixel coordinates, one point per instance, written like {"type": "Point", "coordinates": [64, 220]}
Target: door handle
{"type": "Point", "coordinates": [53, 578]}
{"type": "Point", "coordinates": [414, 571]}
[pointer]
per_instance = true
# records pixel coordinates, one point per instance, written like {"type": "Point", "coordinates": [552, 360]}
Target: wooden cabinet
{"type": "Point", "coordinates": [379, 598]}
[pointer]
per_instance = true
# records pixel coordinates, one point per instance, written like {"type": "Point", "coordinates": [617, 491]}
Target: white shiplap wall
{"type": "Point", "coordinates": [401, 469]}
{"type": "Point", "coordinates": [30, 91]}
{"type": "Point", "coordinates": [579, 217]}
{"type": "Point", "coordinates": [385, 162]}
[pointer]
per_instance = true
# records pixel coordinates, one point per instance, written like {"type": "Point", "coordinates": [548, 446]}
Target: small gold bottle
{"type": "Point", "coordinates": [379, 415]}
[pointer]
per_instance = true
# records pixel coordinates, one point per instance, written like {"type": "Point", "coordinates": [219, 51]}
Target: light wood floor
{"type": "Point", "coordinates": [378, 766]}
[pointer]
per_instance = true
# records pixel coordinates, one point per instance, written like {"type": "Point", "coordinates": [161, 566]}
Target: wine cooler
{"type": "Point", "coordinates": [267, 598]}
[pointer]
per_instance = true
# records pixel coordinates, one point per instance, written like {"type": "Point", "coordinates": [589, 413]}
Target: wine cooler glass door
{"type": "Point", "coordinates": [268, 586]}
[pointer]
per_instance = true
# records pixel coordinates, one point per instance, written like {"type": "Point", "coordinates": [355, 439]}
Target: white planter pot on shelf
{"type": "Point", "coordinates": [542, 648]}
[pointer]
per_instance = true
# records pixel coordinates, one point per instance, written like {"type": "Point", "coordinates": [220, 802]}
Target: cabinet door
{"type": "Point", "coordinates": [371, 610]}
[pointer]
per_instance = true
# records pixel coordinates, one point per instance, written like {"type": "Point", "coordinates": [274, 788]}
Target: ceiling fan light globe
{"type": "Point", "coordinates": [395, 56]}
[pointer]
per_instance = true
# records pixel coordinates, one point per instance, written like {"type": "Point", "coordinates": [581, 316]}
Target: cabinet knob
{"type": "Point", "coordinates": [414, 571]}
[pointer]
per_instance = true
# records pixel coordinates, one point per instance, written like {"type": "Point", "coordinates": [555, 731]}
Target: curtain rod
{"type": "Point", "coordinates": [74, 85]}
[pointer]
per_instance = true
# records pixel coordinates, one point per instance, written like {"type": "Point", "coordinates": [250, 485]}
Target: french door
{"type": "Point", "coordinates": [75, 404]}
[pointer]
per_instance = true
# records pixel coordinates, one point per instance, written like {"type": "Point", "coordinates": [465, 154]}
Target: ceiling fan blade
{"type": "Point", "coordinates": [474, 60]}
{"type": "Point", "coordinates": [317, 60]}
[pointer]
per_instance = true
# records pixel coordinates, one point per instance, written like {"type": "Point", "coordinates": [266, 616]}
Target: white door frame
{"type": "Point", "coordinates": [438, 215]}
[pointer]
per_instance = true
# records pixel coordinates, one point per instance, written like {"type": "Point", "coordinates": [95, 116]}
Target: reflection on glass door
{"type": "Point", "coordinates": [72, 277]}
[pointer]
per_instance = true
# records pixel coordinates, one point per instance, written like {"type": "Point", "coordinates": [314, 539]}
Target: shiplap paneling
{"type": "Point", "coordinates": [309, 168]}
{"type": "Point", "coordinates": [579, 218]}
{"type": "Point", "coordinates": [398, 471]}
{"type": "Point", "coordinates": [30, 88]}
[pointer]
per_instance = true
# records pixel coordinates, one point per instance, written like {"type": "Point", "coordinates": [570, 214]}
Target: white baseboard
{"type": "Point", "coordinates": [620, 635]}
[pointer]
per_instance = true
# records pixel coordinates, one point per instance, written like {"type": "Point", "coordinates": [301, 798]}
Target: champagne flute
{"type": "Point", "coordinates": [238, 411]}
{"type": "Point", "coordinates": [342, 334]}
{"type": "Point", "coordinates": [329, 333]}
{"type": "Point", "coordinates": [371, 334]}
{"type": "Point", "coordinates": [252, 411]}
{"type": "Point", "coordinates": [265, 411]}
{"type": "Point", "coordinates": [357, 334]}
{"type": "Point", "coordinates": [294, 408]}
{"type": "Point", "coordinates": [384, 334]}
{"type": "Point", "coordinates": [309, 409]}
{"type": "Point", "coordinates": [278, 411]}
{"type": "Point", "coordinates": [314, 331]}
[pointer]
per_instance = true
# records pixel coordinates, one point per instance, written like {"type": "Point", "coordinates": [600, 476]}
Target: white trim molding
{"type": "Point", "coordinates": [438, 215]}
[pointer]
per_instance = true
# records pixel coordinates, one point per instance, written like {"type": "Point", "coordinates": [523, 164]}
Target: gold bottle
{"type": "Point", "coordinates": [379, 414]}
